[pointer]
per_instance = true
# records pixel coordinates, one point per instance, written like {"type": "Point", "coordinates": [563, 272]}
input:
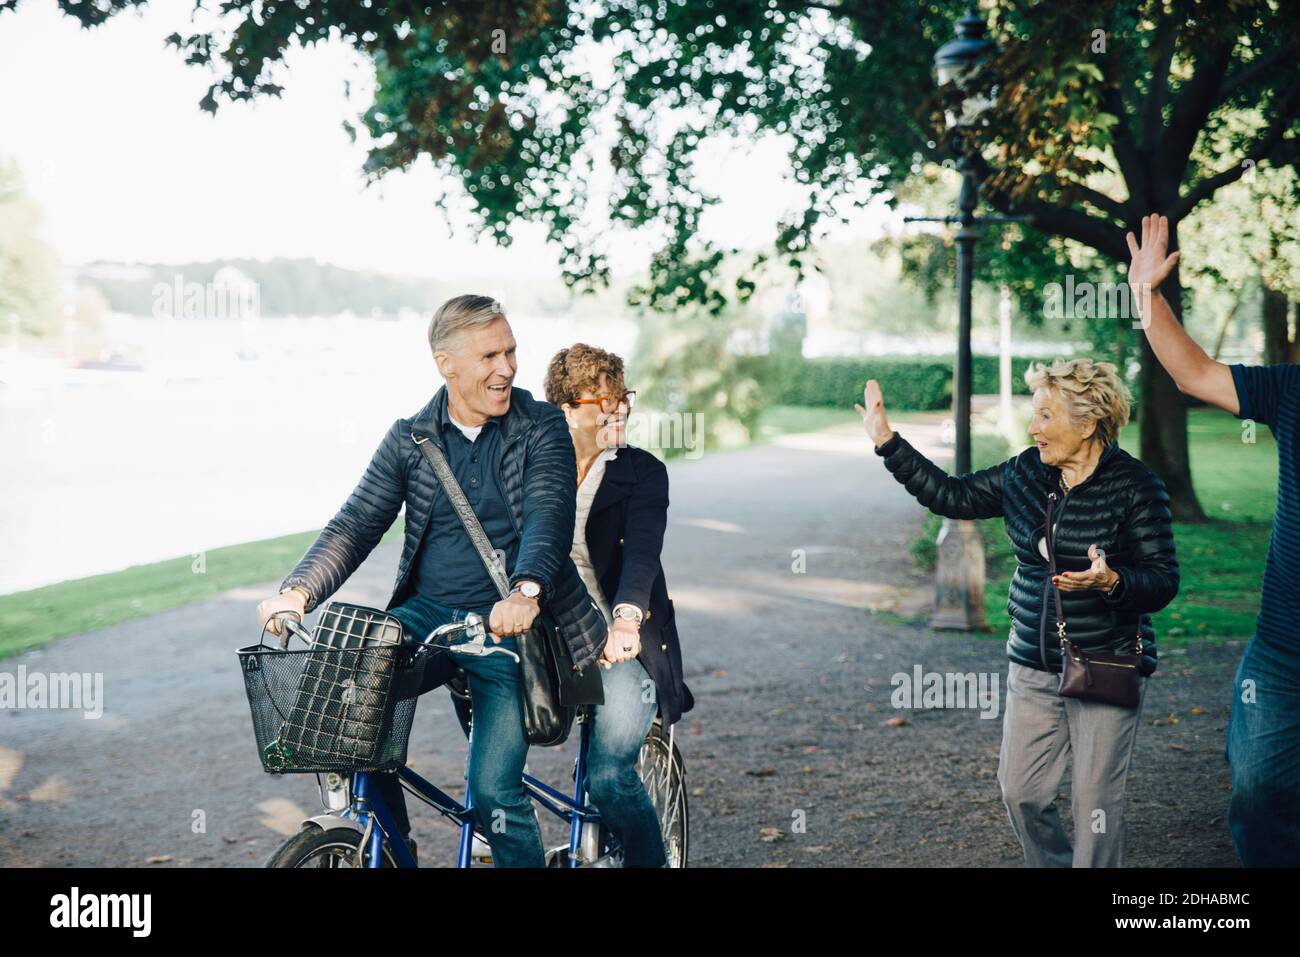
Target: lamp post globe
{"type": "Point", "coordinates": [957, 58]}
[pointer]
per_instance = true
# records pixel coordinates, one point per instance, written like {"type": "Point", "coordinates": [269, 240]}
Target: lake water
{"type": "Point", "coordinates": [231, 432]}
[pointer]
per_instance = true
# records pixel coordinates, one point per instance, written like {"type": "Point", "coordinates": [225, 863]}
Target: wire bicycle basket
{"type": "Point", "coordinates": [332, 705]}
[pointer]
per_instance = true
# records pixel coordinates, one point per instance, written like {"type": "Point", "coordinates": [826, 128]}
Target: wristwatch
{"type": "Point", "coordinates": [527, 589]}
{"type": "Point", "coordinates": [630, 612]}
{"type": "Point", "coordinates": [305, 593]}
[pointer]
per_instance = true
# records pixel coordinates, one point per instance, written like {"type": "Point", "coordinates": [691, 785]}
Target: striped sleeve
{"type": "Point", "coordinates": [1261, 389]}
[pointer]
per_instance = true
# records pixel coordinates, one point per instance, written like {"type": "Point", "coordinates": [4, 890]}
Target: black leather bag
{"type": "Point", "coordinates": [1109, 679]}
{"type": "Point", "coordinates": [551, 687]}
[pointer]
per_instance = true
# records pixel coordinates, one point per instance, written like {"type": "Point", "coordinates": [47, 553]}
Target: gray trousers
{"type": "Point", "coordinates": [1040, 732]}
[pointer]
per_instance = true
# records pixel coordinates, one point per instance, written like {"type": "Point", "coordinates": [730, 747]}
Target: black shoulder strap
{"type": "Point", "coordinates": [1051, 561]}
{"type": "Point", "coordinates": [465, 512]}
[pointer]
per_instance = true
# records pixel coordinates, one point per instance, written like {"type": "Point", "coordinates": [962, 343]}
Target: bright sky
{"type": "Point", "coordinates": [106, 128]}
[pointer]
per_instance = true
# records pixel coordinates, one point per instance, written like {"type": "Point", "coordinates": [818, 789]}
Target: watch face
{"type": "Point", "coordinates": [530, 589]}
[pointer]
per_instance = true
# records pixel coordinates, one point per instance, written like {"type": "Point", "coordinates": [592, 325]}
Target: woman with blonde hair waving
{"type": "Point", "coordinates": [1092, 535]}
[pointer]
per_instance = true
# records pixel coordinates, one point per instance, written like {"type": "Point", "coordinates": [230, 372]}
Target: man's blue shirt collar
{"type": "Point", "coordinates": [445, 419]}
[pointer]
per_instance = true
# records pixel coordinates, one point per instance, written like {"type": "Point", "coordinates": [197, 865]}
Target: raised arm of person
{"type": "Point", "coordinates": [976, 495]}
{"type": "Point", "coordinates": [1192, 370]}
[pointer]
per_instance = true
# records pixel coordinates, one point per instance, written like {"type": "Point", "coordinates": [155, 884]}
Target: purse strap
{"type": "Point", "coordinates": [1051, 561]}
{"type": "Point", "coordinates": [465, 511]}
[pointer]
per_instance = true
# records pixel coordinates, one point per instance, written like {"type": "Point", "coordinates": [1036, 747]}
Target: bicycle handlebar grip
{"type": "Point", "coordinates": [292, 625]}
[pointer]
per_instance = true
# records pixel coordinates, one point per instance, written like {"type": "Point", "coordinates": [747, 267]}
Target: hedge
{"type": "Point", "coordinates": [918, 384]}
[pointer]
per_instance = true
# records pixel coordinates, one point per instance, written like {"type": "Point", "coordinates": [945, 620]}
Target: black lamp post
{"type": "Point", "coordinates": [959, 593]}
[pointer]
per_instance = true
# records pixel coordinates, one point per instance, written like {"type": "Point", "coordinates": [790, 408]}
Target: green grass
{"type": "Point", "coordinates": [1221, 562]}
{"type": "Point", "coordinates": [31, 618]}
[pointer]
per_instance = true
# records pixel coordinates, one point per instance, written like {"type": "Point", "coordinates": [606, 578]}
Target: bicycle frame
{"type": "Point", "coordinates": [367, 807]}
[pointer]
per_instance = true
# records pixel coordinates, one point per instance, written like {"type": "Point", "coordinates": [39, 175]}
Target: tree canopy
{"type": "Point", "coordinates": [1103, 110]}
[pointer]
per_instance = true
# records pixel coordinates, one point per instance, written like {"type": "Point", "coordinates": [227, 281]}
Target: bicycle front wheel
{"type": "Point", "coordinates": [319, 848]}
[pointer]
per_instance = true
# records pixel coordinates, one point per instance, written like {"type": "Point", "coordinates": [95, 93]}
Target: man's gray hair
{"type": "Point", "coordinates": [460, 314]}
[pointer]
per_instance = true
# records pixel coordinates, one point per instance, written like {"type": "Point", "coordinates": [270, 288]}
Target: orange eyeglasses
{"type": "Point", "coordinates": [609, 403]}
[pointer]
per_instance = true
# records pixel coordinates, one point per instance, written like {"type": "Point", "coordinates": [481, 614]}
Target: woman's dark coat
{"type": "Point", "coordinates": [1122, 507]}
{"type": "Point", "coordinates": [625, 534]}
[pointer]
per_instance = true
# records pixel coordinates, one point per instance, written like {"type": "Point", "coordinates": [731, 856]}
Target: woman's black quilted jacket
{"type": "Point", "coordinates": [1122, 506]}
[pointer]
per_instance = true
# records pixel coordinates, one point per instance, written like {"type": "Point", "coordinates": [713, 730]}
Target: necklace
{"type": "Point", "coordinates": [1066, 487]}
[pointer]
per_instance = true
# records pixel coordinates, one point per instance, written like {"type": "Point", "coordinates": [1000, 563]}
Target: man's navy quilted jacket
{"type": "Point", "coordinates": [539, 476]}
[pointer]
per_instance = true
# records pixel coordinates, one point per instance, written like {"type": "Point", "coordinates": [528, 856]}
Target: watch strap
{"type": "Point", "coordinates": [638, 617]}
{"type": "Point", "coordinates": [305, 593]}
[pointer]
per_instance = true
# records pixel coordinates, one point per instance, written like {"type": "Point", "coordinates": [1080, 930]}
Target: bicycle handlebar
{"type": "Point", "coordinates": [296, 626]}
{"type": "Point", "coordinates": [473, 625]}
{"type": "Point", "coordinates": [477, 645]}
{"type": "Point", "coordinates": [292, 625]}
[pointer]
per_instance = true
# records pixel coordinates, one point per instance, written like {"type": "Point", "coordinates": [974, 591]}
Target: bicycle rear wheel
{"type": "Point", "coordinates": [663, 772]}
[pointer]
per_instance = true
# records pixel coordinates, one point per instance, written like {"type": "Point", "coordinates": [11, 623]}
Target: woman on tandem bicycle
{"type": "Point", "coordinates": [619, 532]}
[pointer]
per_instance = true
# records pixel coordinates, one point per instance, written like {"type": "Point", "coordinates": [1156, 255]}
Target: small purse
{"type": "Point", "coordinates": [1108, 679]}
{"type": "Point", "coordinates": [551, 688]}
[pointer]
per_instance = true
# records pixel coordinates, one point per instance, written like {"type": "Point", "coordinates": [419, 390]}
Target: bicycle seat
{"type": "Point", "coordinates": [422, 668]}
{"type": "Point", "coordinates": [458, 684]}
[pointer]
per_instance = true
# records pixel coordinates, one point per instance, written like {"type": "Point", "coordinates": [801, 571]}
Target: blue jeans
{"type": "Point", "coordinates": [619, 728]}
{"type": "Point", "coordinates": [498, 746]}
{"type": "Point", "coordinates": [1264, 751]}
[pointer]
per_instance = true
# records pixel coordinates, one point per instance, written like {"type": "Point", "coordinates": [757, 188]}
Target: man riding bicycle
{"type": "Point", "coordinates": [514, 458]}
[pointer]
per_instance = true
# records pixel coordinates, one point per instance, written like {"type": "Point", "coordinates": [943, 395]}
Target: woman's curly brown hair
{"type": "Point", "coordinates": [577, 369]}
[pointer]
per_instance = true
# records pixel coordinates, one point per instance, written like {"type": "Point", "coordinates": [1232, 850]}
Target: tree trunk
{"type": "Point", "coordinates": [1223, 328]}
{"type": "Point", "coordinates": [1277, 337]}
{"type": "Point", "coordinates": [1162, 416]}
{"type": "Point", "coordinates": [1293, 351]}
